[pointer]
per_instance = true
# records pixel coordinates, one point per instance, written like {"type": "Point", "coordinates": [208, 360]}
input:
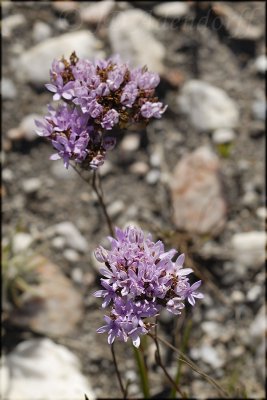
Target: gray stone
{"type": "Point", "coordinates": [31, 185]}
{"type": "Point", "coordinates": [39, 369]}
{"type": "Point", "coordinates": [249, 248]}
{"type": "Point", "coordinates": [175, 9]}
{"type": "Point", "coordinates": [8, 89]}
{"type": "Point", "coordinates": [96, 13]}
{"type": "Point", "coordinates": [10, 23]}
{"type": "Point", "coordinates": [197, 194]}
{"type": "Point", "coordinates": [73, 237]}
{"type": "Point", "coordinates": [34, 64]}
{"type": "Point", "coordinates": [41, 31]}
{"type": "Point", "coordinates": [207, 107]}
{"type": "Point", "coordinates": [132, 35]}
{"type": "Point", "coordinates": [21, 242]}
{"type": "Point", "coordinates": [221, 136]}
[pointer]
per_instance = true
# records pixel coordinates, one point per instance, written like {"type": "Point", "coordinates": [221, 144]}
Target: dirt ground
{"type": "Point", "coordinates": [198, 53]}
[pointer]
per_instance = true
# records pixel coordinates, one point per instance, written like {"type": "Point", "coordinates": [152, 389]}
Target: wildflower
{"type": "Point", "coordinates": [97, 97]}
{"type": "Point", "coordinates": [140, 279]}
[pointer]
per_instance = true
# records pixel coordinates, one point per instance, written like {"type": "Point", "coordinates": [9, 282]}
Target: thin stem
{"type": "Point", "coordinates": [123, 390]}
{"type": "Point", "coordinates": [99, 194]}
{"type": "Point", "coordinates": [102, 203]}
{"type": "Point", "coordinates": [179, 366]}
{"type": "Point", "coordinates": [142, 372]}
{"type": "Point", "coordinates": [192, 365]}
{"type": "Point", "coordinates": [161, 365]}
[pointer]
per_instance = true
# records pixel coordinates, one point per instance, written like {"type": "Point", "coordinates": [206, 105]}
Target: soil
{"type": "Point", "coordinates": [198, 53]}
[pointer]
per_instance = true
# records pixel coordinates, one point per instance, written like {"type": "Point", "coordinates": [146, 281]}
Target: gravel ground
{"type": "Point", "coordinates": [227, 332]}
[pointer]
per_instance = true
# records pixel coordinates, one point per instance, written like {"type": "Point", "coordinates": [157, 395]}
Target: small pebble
{"type": "Point", "coordinates": [153, 177]}
{"type": "Point", "coordinates": [71, 255]}
{"type": "Point", "coordinates": [58, 242]}
{"type": "Point", "coordinates": [31, 185]}
{"type": "Point", "coordinates": [254, 293]}
{"type": "Point", "coordinates": [8, 89]}
{"type": "Point", "coordinates": [221, 136]}
{"type": "Point", "coordinates": [139, 168]}
{"type": "Point", "coordinates": [130, 143]}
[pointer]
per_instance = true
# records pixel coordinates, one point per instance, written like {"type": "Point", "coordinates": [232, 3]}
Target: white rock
{"type": "Point", "coordinates": [5, 376]}
{"type": "Point", "coordinates": [73, 237]}
{"type": "Point", "coordinates": [250, 198]}
{"type": "Point", "coordinates": [59, 171]}
{"type": "Point", "coordinates": [212, 329]}
{"type": "Point", "coordinates": [28, 127]}
{"type": "Point", "coordinates": [153, 176]}
{"type": "Point", "coordinates": [71, 255]}
{"type": "Point", "coordinates": [97, 12]}
{"type": "Point", "coordinates": [259, 109]}
{"type": "Point", "coordinates": [41, 31]}
{"type": "Point", "coordinates": [10, 23]}
{"type": "Point", "coordinates": [42, 370]}
{"type": "Point", "coordinates": [207, 107]}
{"type": "Point", "coordinates": [8, 89]}
{"type": "Point", "coordinates": [31, 185]}
{"type": "Point", "coordinates": [58, 242]}
{"type": "Point", "coordinates": [261, 213]}
{"type": "Point", "coordinates": [21, 242]}
{"type": "Point", "coordinates": [258, 326]}
{"type": "Point", "coordinates": [261, 64]}
{"type": "Point", "coordinates": [77, 275]}
{"type": "Point", "coordinates": [254, 293]}
{"type": "Point", "coordinates": [175, 9]}
{"type": "Point", "coordinates": [34, 64]}
{"type": "Point", "coordinates": [223, 135]}
{"type": "Point", "coordinates": [249, 248]}
{"type": "Point", "coordinates": [116, 208]}
{"type": "Point", "coordinates": [7, 175]}
{"type": "Point", "coordinates": [139, 168]}
{"type": "Point", "coordinates": [130, 142]}
{"type": "Point", "coordinates": [65, 6]}
{"type": "Point", "coordinates": [132, 36]}
{"type": "Point", "coordinates": [237, 296]}
{"type": "Point", "coordinates": [209, 355]}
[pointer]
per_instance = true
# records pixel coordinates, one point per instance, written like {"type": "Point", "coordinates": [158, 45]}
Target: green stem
{"type": "Point", "coordinates": [142, 372]}
{"type": "Point", "coordinates": [179, 365]}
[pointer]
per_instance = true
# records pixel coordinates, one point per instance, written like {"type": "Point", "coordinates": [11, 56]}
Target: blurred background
{"type": "Point", "coordinates": [194, 179]}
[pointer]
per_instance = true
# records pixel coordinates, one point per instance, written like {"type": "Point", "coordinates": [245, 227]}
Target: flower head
{"type": "Point", "coordinates": [98, 96]}
{"type": "Point", "coordinates": [140, 279]}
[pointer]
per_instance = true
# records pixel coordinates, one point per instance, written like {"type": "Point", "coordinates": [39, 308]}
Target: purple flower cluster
{"type": "Point", "coordinates": [98, 96]}
{"type": "Point", "coordinates": [140, 279]}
